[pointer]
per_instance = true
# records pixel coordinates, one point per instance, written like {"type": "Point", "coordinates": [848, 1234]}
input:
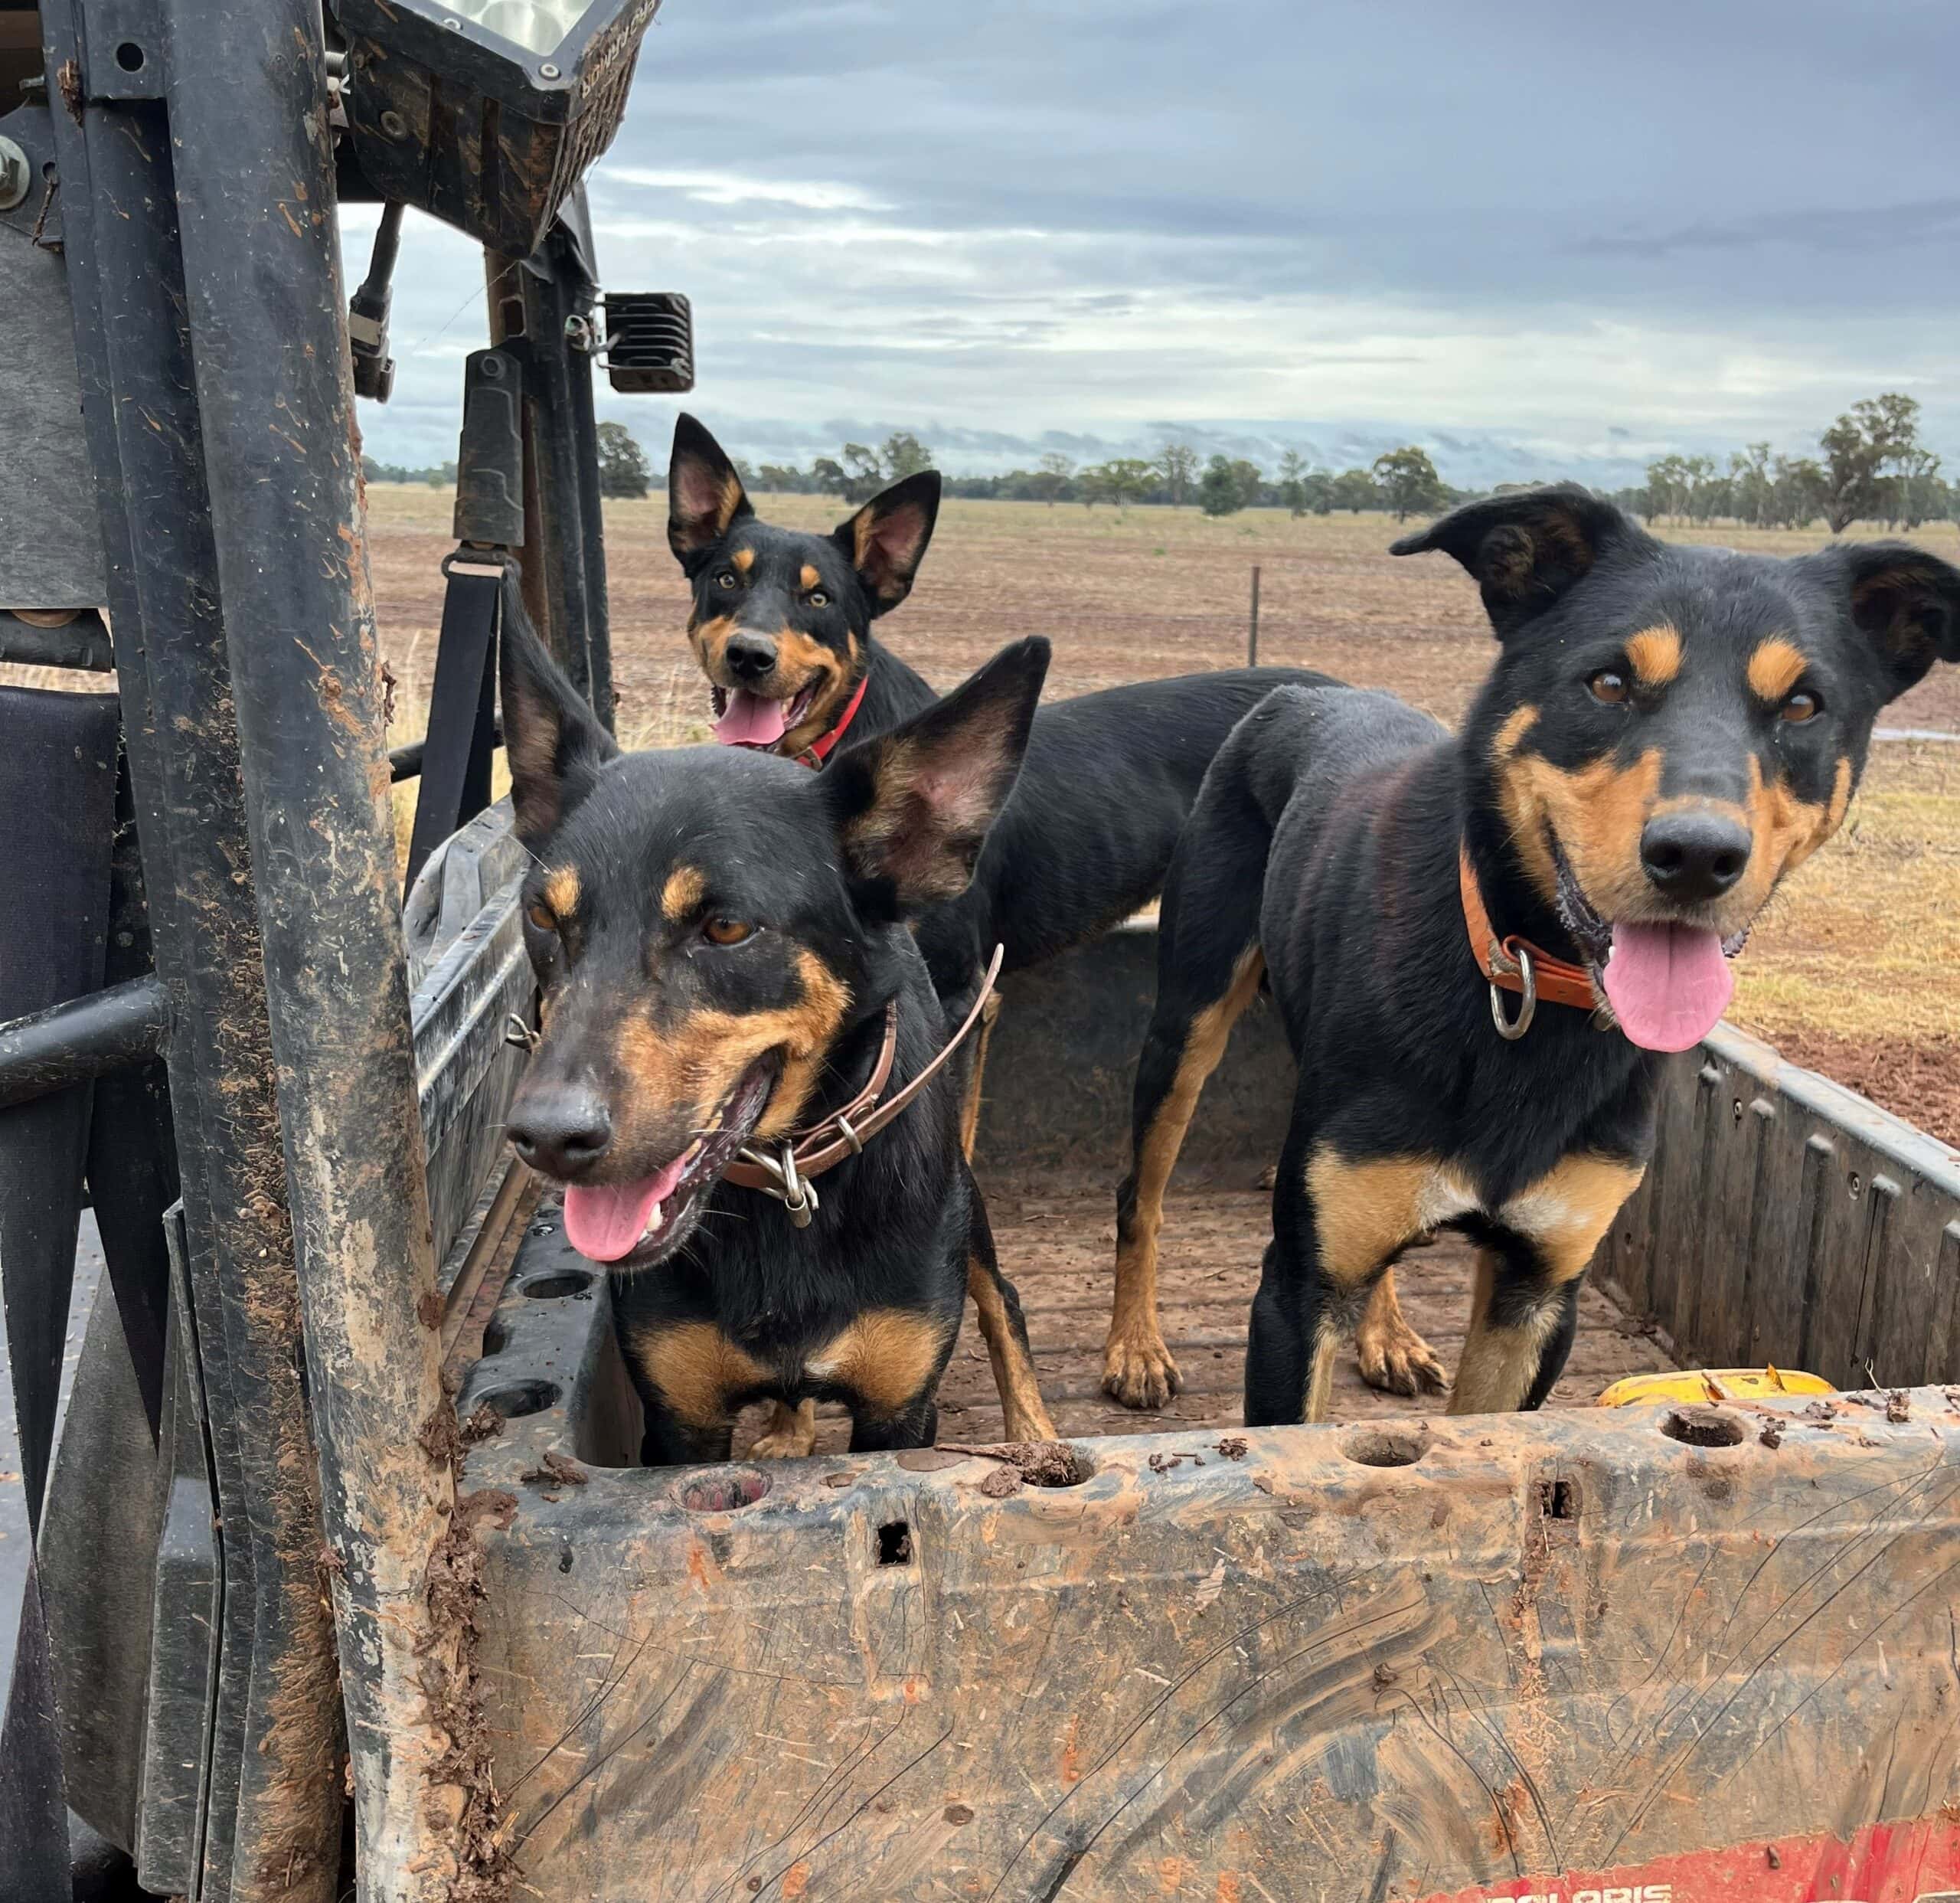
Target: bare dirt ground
{"type": "Point", "coordinates": [1056, 1236]}
{"type": "Point", "coordinates": [1852, 968]}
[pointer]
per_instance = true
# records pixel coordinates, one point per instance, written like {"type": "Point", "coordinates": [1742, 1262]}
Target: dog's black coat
{"type": "Point", "coordinates": [635, 858]}
{"type": "Point", "coordinates": [1326, 841]}
{"type": "Point", "coordinates": [1108, 779]}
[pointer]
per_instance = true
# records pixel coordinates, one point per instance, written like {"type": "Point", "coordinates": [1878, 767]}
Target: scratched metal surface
{"type": "Point", "coordinates": [1391, 1658]}
{"type": "Point", "coordinates": [1244, 1666]}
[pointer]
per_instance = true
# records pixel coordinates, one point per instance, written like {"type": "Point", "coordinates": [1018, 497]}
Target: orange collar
{"type": "Point", "coordinates": [1557, 982]}
{"type": "Point", "coordinates": [818, 750]}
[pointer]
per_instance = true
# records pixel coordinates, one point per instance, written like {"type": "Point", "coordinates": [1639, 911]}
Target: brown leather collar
{"type": "Point", "coordinates": [1504, 961]}
{"type": "Point", "coordinates": [783, 1170]}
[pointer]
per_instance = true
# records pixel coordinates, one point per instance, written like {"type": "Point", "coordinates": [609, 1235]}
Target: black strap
{"type": "Point", "coordinates": [462, 706]}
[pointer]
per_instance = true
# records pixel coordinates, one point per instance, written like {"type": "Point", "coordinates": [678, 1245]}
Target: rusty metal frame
{"type": "Point", "coordinates": [199, 220]}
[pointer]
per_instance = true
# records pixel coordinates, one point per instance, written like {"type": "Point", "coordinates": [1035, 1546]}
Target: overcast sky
{"type": "Point", "coordinates": [1540, 239]}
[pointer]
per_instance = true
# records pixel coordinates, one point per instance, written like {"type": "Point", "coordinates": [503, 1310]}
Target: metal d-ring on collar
{"type": "Point", "coordinates": [784, 1168]}
{"type": "Point", "coordinates": [796, 1193]}
{"type": "Point", "coordinates": [1511, 1029]}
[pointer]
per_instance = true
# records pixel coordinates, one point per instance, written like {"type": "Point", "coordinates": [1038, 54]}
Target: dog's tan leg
{"type": "Point", "coordinates": [1392, 1356]}
{"type": "Point", "coordinates": [1526, 1306]}
{"type": "Point", "coordinates": [1180, 1053]}
{"type": "Point", "coordinates": [1005, 1332]}
{"type": "Point", "coordinates": [1363, 1213]}
{"type": "Point", "coordinates": [790, 1434]}
{"type": "Point", "coordinates": [969, 1110]}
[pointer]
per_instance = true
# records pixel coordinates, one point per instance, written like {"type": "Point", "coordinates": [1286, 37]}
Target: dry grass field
{"type": "Point", "coordinates": [1853, 970]}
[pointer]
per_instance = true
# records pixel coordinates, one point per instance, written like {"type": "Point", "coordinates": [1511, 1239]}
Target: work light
{"type": "Point", "coordinates": [486, 113]}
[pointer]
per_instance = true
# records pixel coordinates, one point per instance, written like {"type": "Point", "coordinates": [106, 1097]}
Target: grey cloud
{"type": "Point", "coordinates": [1097, 210]}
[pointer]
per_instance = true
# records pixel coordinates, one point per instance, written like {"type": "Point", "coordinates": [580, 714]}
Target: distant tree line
{"type": "Point", "coordinates": [1871, 467]}
{"type": "Point", "coordinates": [1404, 481]}
{"type": "Point", "coordinates": [438, 475]}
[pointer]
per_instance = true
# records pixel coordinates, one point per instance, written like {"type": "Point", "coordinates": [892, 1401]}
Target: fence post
{"type": "Point", "coordinates": [1252, 628]}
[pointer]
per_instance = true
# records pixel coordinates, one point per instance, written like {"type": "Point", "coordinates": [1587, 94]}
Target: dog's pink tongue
{"type": "Point", "coordinates": [1668, 984]}
{"type": "Point", "coordinates": [603, 1225]}
{"type": "Point", "coordinates": [750, 720]}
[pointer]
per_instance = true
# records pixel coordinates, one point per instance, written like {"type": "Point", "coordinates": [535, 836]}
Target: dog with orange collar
{"type": "Point", "coordinates": [1482, 945]}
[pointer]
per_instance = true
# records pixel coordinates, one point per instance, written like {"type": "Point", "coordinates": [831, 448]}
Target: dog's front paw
{"type": "Point", "coordinates": [791, 1434]}
{"type": "Point", "coordinates": [1138, 1371]}
{"type": "Point", "coordinates": [1394, 1357]}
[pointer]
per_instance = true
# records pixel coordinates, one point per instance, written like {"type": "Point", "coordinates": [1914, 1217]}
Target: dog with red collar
{"type": "Point", "coordinates": [1482, 945]}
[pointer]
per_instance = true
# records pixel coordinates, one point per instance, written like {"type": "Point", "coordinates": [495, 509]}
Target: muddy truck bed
{"type": "Point", "coordinates": [1670, 1651]}
{"type": "Point", "coordinates": [1056, 1233]}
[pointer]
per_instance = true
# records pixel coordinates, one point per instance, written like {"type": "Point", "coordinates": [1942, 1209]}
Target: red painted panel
{"type": "Point", "coordinates": [1915, 1862]}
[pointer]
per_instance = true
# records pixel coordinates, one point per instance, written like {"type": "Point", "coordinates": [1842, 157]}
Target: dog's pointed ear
{"type": "Point", "coordinates": [885, 542]}
{"type": "Point", "coordinates": [553, 740]}
{"type": "Point", "coordinates": [1905, 602]}
{"type": "Point", "coordinates": [1527, 547]}
{"type": "Point", "coordinates": [705, 498]}
{"type": "Point", "coordinates": [913, 807]}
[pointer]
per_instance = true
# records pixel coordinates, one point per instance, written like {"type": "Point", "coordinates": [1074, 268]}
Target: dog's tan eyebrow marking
{"type": "Point", "coordinates": [682, 892]}
{"type": "Point", "coordinates": [743, 559]}
{"type": "Point", "coordinates": [561, 890]}
{"type": "Point", "coordinates": [1776, 667]}
{"type": "Point", "coordinates": [1656, 655]}
{"type": "Point", "coordinates": [809, 578]}
{"type": "Point", "coordinates": [1511, 735]}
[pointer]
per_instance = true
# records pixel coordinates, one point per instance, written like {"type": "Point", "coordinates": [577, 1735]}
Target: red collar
{"type": "Point", "coordinates": [1556, 981]}
{"type": "Point", "coordinates": [818, 750]}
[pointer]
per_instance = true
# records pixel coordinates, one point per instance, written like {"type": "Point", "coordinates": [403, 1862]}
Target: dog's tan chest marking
{"type": "Point", "coordinates": [697, 1369]}
{"type": "Point", "coordinates": [1366, 1212]}
{"type": "Point", "coordinates": [1568, 1209]}
{"type": "Point", "coordinates": [886, 1356]}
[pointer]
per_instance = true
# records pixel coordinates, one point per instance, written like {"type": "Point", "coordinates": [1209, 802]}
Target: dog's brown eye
{"type": "Point", "coordinates": [1609, 685]}
{"type": "Point", "coordinates": [725, 931]}
{"type": "Point", "coordinates": [818, 599]}
{"type": "Point", "coordinates": [1800, 706]}
{"type": "Point", "coordinates": [542, 916]}
{"type": "Point", "coordinates": [726, 579]}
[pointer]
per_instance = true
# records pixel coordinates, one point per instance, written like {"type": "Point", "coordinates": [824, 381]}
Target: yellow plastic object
{"type": "Point", "coordinates": [1713, 1384]}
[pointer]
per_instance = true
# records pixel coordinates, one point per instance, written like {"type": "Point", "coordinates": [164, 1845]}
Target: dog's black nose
{"type": "Point", "coordinates": [561, 1129]}
{"type": "Point", "coordinates": [1692, 856]}
{"type": "Point", "coordinates": [750, 656]}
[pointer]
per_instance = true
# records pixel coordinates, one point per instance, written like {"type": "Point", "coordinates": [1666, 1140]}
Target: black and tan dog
{"type": "Point", "coordinates": [1479, 944]}
{"type": "Point", "coordinates": [782, 627]}
{"type": "Point", "coordinates": [727, 976]}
